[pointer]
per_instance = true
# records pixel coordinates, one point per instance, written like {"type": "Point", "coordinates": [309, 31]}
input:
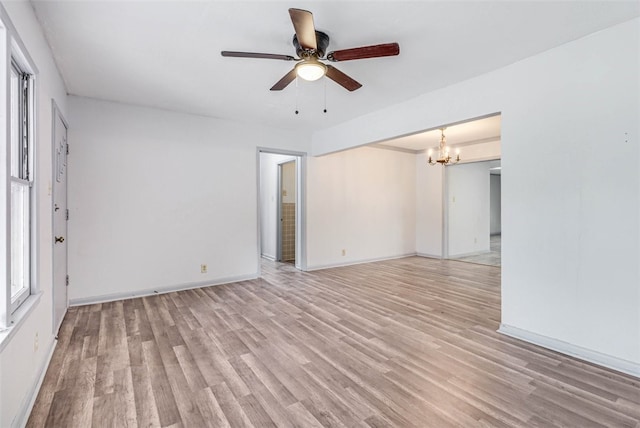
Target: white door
{"type": "Point", "coordinates": [60, 217]}
{"type": "Point", "coordinates": [287, 199]}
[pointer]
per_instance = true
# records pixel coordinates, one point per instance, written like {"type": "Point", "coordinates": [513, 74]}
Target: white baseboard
{"type": "Point", "coordinates": [160, 290]}
{"type": "Point", "coordinates": [357, 262]}
{"type": "Point", "coordinates": [30, 399]}
{"type": "Point", "coordinates": [611, 362]}
{"type": "Point", "coordinates": [429, 256]}
{"type": "Point", "coordinates": [473, 253]}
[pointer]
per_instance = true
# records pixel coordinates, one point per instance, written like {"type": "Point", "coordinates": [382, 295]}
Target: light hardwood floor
{"type": "Point", "coordinates": [407, 343]}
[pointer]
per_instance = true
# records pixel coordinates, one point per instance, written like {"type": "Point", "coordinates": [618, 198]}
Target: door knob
{"type": "Point", "coordinates": [59, 239]}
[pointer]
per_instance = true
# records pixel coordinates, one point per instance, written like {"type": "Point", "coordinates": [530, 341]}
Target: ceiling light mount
{"type": "Point", "coordinates": [444, 158]}
{"type": "Point", "coordinates": [322, 42]}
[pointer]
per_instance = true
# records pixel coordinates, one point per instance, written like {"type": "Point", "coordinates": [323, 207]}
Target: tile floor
{"type": "Point", "coordinates": [492, 258]}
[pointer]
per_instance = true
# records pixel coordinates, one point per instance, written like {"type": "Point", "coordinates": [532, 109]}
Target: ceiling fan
{"type": "Point", "coordinates": [310, 47]}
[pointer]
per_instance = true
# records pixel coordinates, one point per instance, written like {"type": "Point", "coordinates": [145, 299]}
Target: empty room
{"type": "Point", "coordinates": [320, 214]}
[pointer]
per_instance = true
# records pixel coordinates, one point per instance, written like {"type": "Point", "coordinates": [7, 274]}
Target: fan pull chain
{"type": "Point", "coordinates": [297, 92]}
{"type": "Point", "coordinates": [325, 95]}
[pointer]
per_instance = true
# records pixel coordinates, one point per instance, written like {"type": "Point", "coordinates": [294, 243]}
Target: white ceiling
{"type": "Point", "coordinates": [473, 132]}
{"type": "Point", "coordinates": [166, 54]}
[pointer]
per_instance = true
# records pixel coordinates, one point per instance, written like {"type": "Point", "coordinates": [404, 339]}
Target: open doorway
{"type": "Point", "coordinates": [286, 219]}
{"type": "Point", "coordinates": [280, 209]}
{"type": "Point", "coordinates": [474, 230]}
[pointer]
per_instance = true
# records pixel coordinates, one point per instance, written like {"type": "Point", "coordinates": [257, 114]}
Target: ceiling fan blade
{"type": "Point", "coordinates": [342, 79]}
{"type": "Point", "coordinates": [373, 51]}
{"type": "Point", "coordinates": [257, 55]}
{"type": "Point", "coordinates": [305, 30]}
{"type": "Point", "coordinates": [282, 83]}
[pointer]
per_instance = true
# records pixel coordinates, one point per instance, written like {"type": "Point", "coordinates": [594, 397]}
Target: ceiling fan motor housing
{"type": "Point", "coordinates": [322, 41]}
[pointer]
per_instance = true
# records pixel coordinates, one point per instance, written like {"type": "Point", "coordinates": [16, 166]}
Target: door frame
{"type": "Point", "coordinates": [279, 213]}
{"type": "Point", "coordinates": [301, 224]}
{"type": "Point", "coordinates": [56, 112]}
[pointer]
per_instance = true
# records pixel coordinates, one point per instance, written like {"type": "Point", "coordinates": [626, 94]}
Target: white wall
{"type": "Point", "coordinates": [155, 194]}
{"type": "Point", "coordinates": [481, 151]}
{"type": "Point", "coordinates": [468, 208]}
{"type": "Point", "coordinates": [495, 222]}
{"type": "Point", "coordinates": [269, 201]}
{"type": "Point", "coordinates": [575, 218]}
{"type": "Point", "coordinates": [362, 201]}
{"type": "Point", "coordinates": [429, 207]}
{"type": "Point", "coordinates": [564, 210]}
{"type": "Point", "coordinates": [21, 365]}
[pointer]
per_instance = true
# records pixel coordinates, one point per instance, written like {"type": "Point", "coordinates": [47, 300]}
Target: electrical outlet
{"type": "Point", "coordinates": [203, 268]}
{"type": "Point", "coordinates": [475, 240]}
{"type": "Point", "coordinates": [344, 252]}
{"type": "Point", "coordinates": [35, 343]}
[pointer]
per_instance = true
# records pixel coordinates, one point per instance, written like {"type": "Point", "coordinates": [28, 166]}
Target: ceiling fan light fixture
{"type": "Point", "coordinates": [311, 70]}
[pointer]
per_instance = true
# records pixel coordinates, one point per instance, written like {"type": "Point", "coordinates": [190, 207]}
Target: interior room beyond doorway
{"type": "Point", "coordinates": [473, 212]}
{"type": "Point", "coordinates": [279, 207]}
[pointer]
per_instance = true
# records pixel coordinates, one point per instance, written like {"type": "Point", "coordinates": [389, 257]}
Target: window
{"type": "Point", "coordinates": [21, 184]}
{"type": "Point", "coordinates": [19, 293]}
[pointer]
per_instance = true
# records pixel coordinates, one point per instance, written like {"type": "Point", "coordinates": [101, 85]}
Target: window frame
{"type": "Point", "coordinates": [13, 53]}
{"type": "Point", "coordinates": [24, 172]}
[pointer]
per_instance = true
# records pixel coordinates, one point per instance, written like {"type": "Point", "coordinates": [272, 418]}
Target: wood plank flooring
{"type": "Point", "coordinates": [405, 343]}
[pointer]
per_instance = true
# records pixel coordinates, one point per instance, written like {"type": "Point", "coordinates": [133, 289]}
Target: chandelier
{"type": "Point", "coordinates": [444, 158]}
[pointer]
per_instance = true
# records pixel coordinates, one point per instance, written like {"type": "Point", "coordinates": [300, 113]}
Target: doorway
{"type": "Point", "coordinates": [473, 212]}
{"type": "Point", "coordinates": [60, 218]}
{"type": "Point", "coordinates": [281, 208]}
{"type": "Point", "coordinates": [286, 219]}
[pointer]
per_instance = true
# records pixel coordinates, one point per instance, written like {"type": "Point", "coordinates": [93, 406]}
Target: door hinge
{"type": "Point", "coordinates": [67, 214]}
{"type": "Point", "coordinates": [67, 281]}
{"type": "Point", "coordinates": [67, 148]}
